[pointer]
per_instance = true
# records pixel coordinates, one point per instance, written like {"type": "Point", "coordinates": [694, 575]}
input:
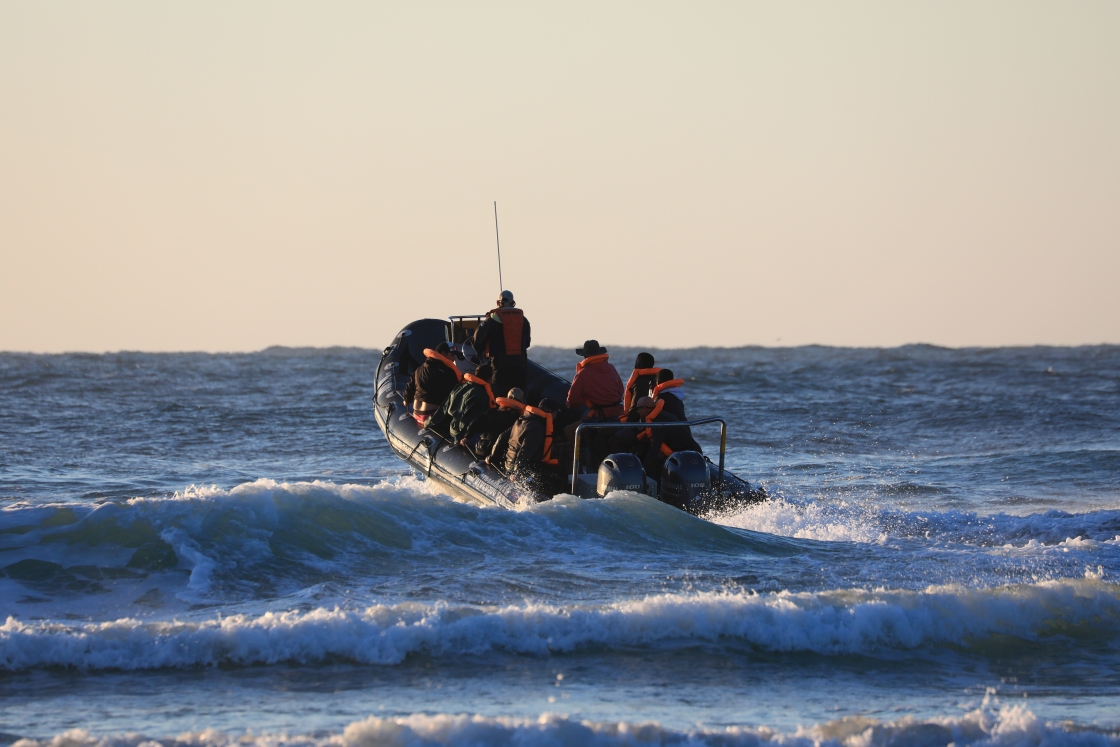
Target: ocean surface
{"type": "Point", "coordinates": [221, 550]}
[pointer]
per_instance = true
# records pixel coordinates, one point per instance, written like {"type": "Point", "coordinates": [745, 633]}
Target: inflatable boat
{"type": "Point", "coordinates": [689, 480]}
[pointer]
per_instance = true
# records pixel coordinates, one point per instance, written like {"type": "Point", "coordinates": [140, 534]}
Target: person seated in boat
{"type": "Point", "coordinates": [503, 337]}
{"type": "Point", "coordinates": [596, 392]}
{"type": "Point", "coordinates": [526, 448]}
{"type": "Point", "coordinates": [642, 380]}
{"type": "Point", "coordinates": [432, 382]}
{"type": "Point", "coordinates": [485, 431]}
{"type": "Point", "coordinates": [655, 445]}
{"type": "Point", "coordinates": [469, 401]}
{"type": "Point", "coordinates": [670, 390]}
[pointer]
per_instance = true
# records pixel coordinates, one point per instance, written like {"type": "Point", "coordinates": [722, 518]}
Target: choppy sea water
{"type": "Point", "coordinates": [221, 549]}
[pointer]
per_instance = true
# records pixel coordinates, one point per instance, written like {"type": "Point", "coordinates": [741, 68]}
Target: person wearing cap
{"type": "Point", "coordinates": [432, 382]}
{"type": "Point", "coordinates": [526, 449]}
{"type": "Point", "coordinates": [482, 436]}
{"type": "Point", "coordinates": [503, 337]}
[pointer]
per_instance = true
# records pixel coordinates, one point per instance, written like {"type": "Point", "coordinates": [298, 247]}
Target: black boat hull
{"type": "Point", "coordinates": [454, 467]}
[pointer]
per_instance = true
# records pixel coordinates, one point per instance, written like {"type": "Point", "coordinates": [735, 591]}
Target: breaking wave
{"type": "Point", "coordinates": [988, 725]}
{"type": "Point", "coordinates": [828, 623]}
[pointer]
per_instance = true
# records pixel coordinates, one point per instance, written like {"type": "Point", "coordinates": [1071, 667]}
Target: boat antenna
{"type": "Point", "coordinates": [501, 286]}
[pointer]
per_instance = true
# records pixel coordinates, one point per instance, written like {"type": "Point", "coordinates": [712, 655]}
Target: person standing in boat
{"type": "Point", "coordinates": [431, 383]}
{"type": "Point", "coordinates": [503, 337]}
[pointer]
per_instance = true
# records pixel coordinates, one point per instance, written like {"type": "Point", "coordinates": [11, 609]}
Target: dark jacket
{"type": "Point", "coordinates": [491, 332]}
{"type": "Point", "coordinates": [677, 439]}
{"type": "Point", "coordinates": [467, 403]}
{"type": "Point", "coordinates": [431, 383]}
{"type": "Point", "coordinates": [521, 448]}
{"type": "Point", "coordinates": [491, 426]}
{"type": "Point", "coordinates": [674, 402]}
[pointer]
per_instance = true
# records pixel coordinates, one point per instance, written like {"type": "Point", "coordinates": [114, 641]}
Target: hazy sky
{"type": "Point", "coordinates": [227, 176]}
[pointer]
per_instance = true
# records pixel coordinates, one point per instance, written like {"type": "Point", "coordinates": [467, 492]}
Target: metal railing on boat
{"type": "Point", "coordinates": [689, 423]}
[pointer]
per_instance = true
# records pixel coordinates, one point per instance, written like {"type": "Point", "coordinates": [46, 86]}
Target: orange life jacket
{"type": "Point", "coordinates": [657, 408]}
{"type": "Point", "coordinates": [648, 432]}
{"type": "Point", "coordinates": [513, 320]}
{"type": "Point", "coordinates": [483, 383]}
{"type": "Point", "coordinates": [429, 353]}
{"type": "Point", "coordinates": [508, 402]}
{"type": "Point", "coordinates": [546, 457]}
{"type": "Point", "coordinates": [670, 384]}
{"type": "Point", "coordinates": [591, 359]}
{"type": "Point", "coordinates": [629, 402]}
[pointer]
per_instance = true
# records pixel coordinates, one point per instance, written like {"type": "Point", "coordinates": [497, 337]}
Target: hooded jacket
{"type": "Point", "coordinates": [469, 402]}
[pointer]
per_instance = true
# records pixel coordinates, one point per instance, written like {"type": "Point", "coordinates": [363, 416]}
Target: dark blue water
{"type": "Point", "coordinates": [196, 547]}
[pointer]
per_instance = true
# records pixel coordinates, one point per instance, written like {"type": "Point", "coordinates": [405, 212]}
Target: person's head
{"type": "Point", "coordinates": [547, 405]}
{"type": "Point", "coordinates": [516, 394]}
{"type": "Point", "coordinates": [443, 349]}
{"type": "Point", "coordinates": [590, 348]}
{"type": "Point", "coordinates": [505, 300]}
{"type": "Point", "coordinates": [664, 375]}
{"type": "Point", "coordinates": [644, 360]}
{"type": "Point", "coordinates": [644, 406]}
{"type": "Point", "coordinates": [485, 371]}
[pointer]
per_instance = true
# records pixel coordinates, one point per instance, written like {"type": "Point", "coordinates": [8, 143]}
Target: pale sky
{"type": "Point", "coordinates": [228, 176]}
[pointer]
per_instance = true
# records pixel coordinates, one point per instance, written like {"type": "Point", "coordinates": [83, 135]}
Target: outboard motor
{"type": "Point", "coordinates": [621, 472]}
{"type": "Point", "coordinates": [684, 479]}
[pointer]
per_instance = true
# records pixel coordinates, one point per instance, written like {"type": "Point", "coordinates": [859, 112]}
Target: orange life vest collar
{"type": "Point", "coordinates": [429, 353]}
{"type": "Point", "coordinates": [546, 457]}
{"type": "Point", "coordinates": [670, 384]}
{"type": "Point", "coordinates": [638, 372]}
{"type": "Point", "coordinates": [591, 360]}
{"type": "Point", "coordinates": [482, 383]}
{"type": "Point", "coordinates": [511, 403]}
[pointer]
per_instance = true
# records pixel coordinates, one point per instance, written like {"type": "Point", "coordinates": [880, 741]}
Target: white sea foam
{"type": "Point", "coordinates": [1007, 726]}
{"type": "Point", "coordinates": [853, 521]}
{"type": "Point", "coordinates": [837, 522]}
{"type": "Point", "coordinates": [835, 622]}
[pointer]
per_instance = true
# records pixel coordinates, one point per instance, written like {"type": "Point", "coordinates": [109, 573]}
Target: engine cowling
{"type": "Point", "coordinates": [620, 472]}
{"type": "Point", "coordinates": [684, 479]}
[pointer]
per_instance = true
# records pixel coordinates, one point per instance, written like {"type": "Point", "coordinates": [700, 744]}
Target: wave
{"type": "Point", "coordinates": [827, 623]}
{"type": "Point", "coordinates": [855, 521]}
{"type": "Point", "coordinates": [1006, 726]}
{"type": "Point", "coordinates": [266, 538]}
